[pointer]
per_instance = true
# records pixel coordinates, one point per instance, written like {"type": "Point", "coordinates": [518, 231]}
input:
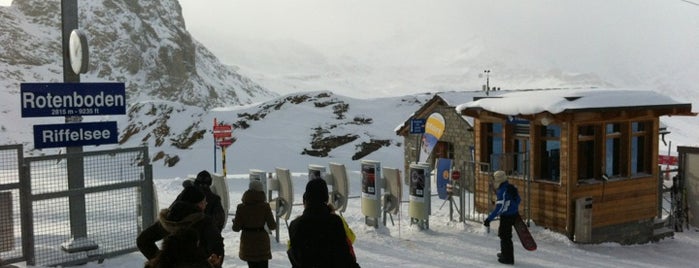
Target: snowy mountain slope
{"type": "Point", "coordinates": [317, 127]}
{"type": "Point", "coordinates": [143, 44]}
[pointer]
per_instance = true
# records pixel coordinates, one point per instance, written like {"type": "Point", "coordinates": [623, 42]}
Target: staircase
{"type": "Point", "coordinates": [662, 229]}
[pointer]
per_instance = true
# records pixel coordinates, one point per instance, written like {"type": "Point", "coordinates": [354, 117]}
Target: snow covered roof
{"type": "Point", "coordinates": [557, 101]}
{"type": "Point", "coordinates": [448, 98]}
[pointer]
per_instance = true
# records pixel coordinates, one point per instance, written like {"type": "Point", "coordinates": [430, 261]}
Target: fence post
{"type": "Point", "coordinates": [27, 218]}
{"type": "Point", "coordinates": [150, 208]}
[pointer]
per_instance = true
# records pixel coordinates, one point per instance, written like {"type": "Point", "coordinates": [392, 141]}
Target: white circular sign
{"type": "Point", "coordinates": [78, 53]}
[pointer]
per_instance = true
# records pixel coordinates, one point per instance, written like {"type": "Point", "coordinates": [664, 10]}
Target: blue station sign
{"type": "Point", "coordinates": [417, 125]}
{"type": "Point", "coordinates": [72, 99]}
{"type": "Point", "coordinates": [75, 134]}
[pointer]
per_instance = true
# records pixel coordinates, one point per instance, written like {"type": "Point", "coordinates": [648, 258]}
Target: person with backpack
{"type": "Point", "coordinates": [185, 212]}
{"type": "Point", "coordinates": [318, 237]}
{"type": "Point", "coordinates": [507, 208]}
{"type": "Point", "coordinates": [214, 207]}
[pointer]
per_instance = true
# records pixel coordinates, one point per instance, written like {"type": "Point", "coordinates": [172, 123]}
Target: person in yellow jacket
{"type": "Point", "coordinates": [348, 231]}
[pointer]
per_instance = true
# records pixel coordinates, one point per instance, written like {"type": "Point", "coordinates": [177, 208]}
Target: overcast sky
{"type": "Point", "coordinates": [617, 38]}
{"type": "Point", "coordinates": [559, 25]}
{"type": "Point", "coordinates": [629, 38]}
{"type": "Point", "coordinates": [599, 28]}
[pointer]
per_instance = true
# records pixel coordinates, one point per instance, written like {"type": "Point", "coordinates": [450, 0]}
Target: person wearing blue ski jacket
{"type": "Point", "coordinates": [507, 208]}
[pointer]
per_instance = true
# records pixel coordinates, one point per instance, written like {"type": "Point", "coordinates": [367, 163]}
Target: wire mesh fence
{"type": "Point", "coordinates": [10, 217]}
{"type": "Point", "coordinates": [92, 217]}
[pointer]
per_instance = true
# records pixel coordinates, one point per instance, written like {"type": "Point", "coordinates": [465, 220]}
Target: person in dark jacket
{"type": "Point", "coordinates": [181, 250]}
{"type": "Point", "coordinates": [214, 207]}
{"type": "Point", "coordinates": [507, 208]}
{"type": "Point", "coordinates": [251, 217]}
{"type": "Point", "coordinates": [185, 212]}
{"type": "Point", "coordinates": [318, 237]}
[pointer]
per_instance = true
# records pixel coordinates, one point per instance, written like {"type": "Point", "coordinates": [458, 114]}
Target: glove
{"type": "Point", "coordinates": [486, 222]}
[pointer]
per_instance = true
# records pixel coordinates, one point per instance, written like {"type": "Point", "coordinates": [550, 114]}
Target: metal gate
{"type": "Point", "coordinates": [11, 235]}
{"type": "Point", "coordinates": [64, 225]}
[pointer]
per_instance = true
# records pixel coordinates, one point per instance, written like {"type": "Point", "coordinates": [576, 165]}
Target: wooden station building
{"type": "Point", "coordinates": [585, 160]}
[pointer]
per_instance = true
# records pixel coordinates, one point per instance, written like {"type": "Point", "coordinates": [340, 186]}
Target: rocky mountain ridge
{"type": "Point", "coordinates": [144, 44]}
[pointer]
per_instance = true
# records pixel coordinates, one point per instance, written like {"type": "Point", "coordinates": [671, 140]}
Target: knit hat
{"type": "Point", "coordinates": [256, 186]}
{"type": "Point", "coordinates": [180, 209]}
{"type": "Point", "coordinates": [203, 178]}
{"type": "Point", "coordinates": [316, 192]}
{"type": "Point", "coordinates": [499, 177]}
{"type": "Point", "coordinates": [191, 195]}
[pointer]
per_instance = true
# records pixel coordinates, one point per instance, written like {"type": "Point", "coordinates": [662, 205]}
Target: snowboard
{"type": "Point", "coordinates": [524, 235]}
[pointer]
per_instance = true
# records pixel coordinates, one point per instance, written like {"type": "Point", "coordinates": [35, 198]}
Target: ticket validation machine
{"type": "Point", "coordinates": [393, 194]}
{"type": "Point", "coordinates": [219, 186]}
{"type": "Point", "coordinates": [281, 204]}
{"type": "Point", "coordinates": [259, 175]}
{"type": "Point", "coordinates": [340, 189]}
{"type": "Point", "coordinates": [372, 183]}
{"type": "Point", "coordinates": [317, 172]}
{"type": "Point", "coordinates": [420, 197]}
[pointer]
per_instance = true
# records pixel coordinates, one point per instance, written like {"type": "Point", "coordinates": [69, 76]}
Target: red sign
{"type": "Point", "coordinates": [224, 142]}
{"type": "Point", "coordinates": [667, 160]}
{"type": "Point", "coordinates": [222, 131]}
{"type": "Point", "coordinates": [455, 175]}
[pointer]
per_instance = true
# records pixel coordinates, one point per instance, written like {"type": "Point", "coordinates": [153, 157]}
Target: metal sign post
{"type": "Point", "coordinates": [76, 180]}
{"type": "Point", "coordinates": [223, 138]}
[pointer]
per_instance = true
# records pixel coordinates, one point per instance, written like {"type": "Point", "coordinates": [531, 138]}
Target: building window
{"type": "Point", "coordinates": [520, 153]}
{"type": "Point", "coordinates": [492, 143]}
{"type": "Point", "coordinates": [588, 168]}
{"type": "Point", "coordinates": [520, 160]}
{"type": "Point", "coordinates": [640, 147]}
{"type": "Point", "coordinates": [443, 150]}
{"type": "Point", "coordinates": [613, 149]}
{"type": "Point", "coordinates": [550, 152]}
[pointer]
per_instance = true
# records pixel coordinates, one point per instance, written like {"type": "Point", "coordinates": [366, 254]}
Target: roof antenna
{"type": "Point", "coordinates": [486, 87]}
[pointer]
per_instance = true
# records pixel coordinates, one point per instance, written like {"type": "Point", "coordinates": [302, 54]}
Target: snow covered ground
{"type": "Point", "coordinates": [445, 244]}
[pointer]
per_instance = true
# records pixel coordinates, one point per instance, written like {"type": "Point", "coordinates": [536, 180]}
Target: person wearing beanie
{"type": "Point", "coordinates": [192, 195]}
{"type": "Point", "coordinates": [214, 207]}
{"type": "Point", "coordinates": [186, 212]}
{"type": "Point", "coordinates": [507, 208]}
{"type": "Point", "coordinates": [317, 237]}
{"type": "Point", "coordinates": [203, 178]}
{"type": "Point", "coordinates": [252, 215]}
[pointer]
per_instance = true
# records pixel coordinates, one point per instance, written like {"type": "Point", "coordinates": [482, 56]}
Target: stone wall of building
{"type": "Point", "coordinates": [457, 132]}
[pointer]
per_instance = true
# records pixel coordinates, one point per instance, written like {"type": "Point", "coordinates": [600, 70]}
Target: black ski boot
{"type": "Point", "coordinates": [504, 261]}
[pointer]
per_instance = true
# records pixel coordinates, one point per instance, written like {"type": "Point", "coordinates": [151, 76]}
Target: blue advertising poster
{"type": "Point", "coordinates": [75, 134]}
{"type": "Point", "coordinates": [443, 175]}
